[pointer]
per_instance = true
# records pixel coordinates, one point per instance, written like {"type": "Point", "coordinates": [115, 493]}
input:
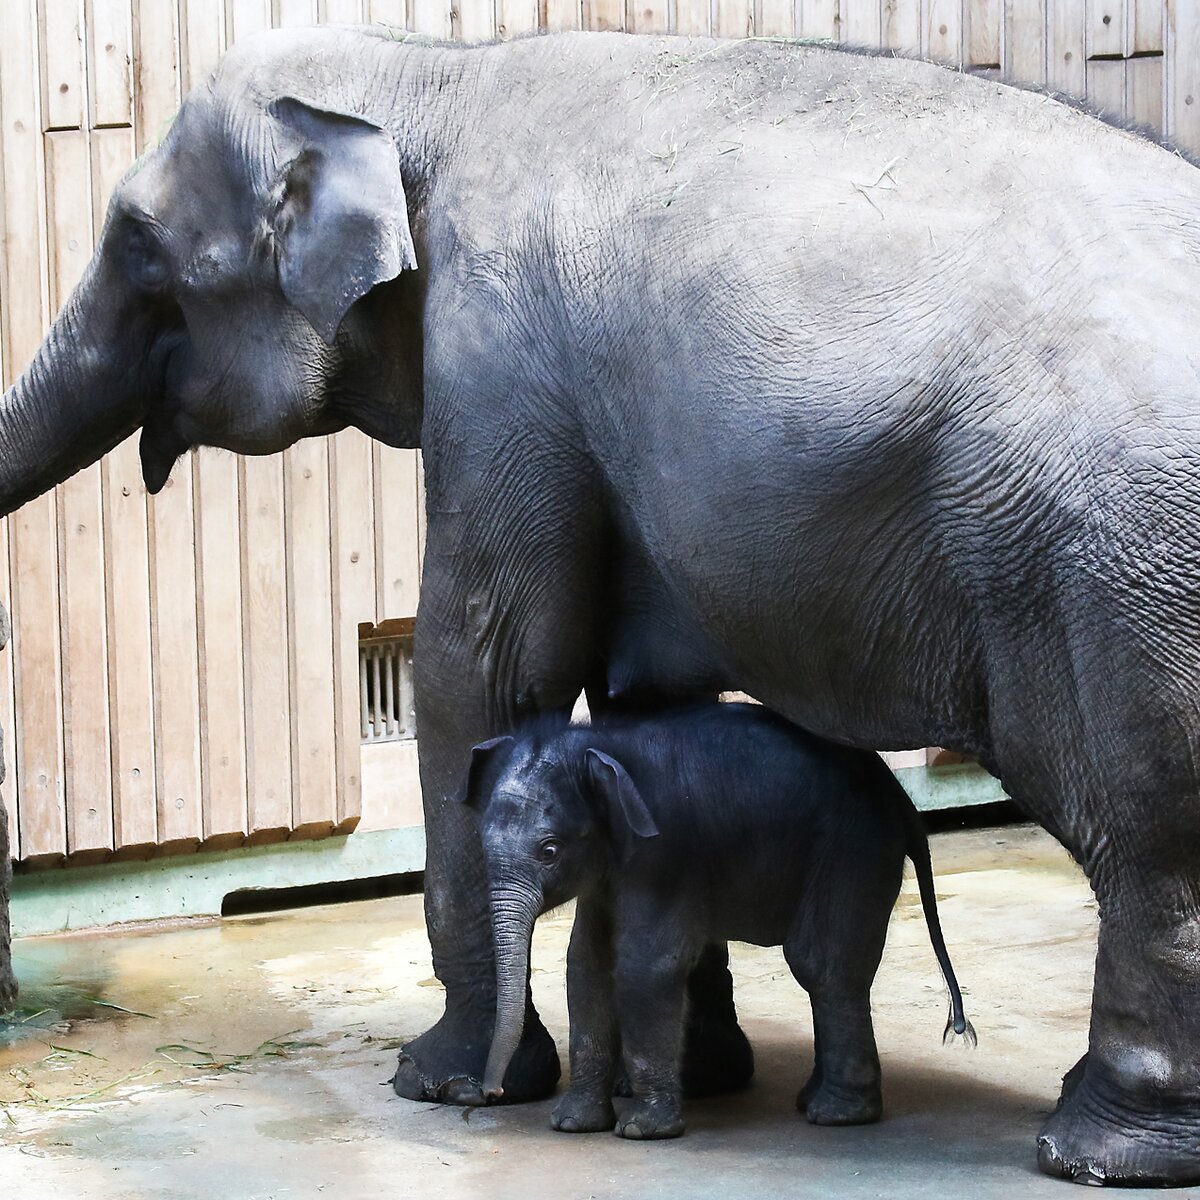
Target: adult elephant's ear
{"type": "Point", "coordinates": [339, 216]}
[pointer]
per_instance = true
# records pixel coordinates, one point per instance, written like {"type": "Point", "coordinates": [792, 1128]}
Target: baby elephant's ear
{"type": "Point", "coordinates": [472, 794]}
{"type": "Point", "coordinates": [621, 795]}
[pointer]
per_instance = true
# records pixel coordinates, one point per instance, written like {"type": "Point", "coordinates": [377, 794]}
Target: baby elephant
{"type": "Point", "coordinates": [704, 824]}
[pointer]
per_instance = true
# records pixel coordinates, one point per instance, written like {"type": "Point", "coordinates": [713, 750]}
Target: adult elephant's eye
{"type": "Point", "coordinates": [547, 852]}
{"type": "Point", "coordinates": [145, 257]}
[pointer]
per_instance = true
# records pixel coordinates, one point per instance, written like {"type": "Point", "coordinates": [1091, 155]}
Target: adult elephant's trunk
{"type": "Point", "coordinates": [514, 910]}
{"type": "Point", "coordinates": [76, 400]}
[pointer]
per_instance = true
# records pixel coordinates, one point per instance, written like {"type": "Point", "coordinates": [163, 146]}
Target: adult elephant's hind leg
{"type": "Point", "coordinates": [1130, 1110]}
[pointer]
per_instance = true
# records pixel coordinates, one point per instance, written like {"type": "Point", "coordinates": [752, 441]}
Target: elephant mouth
{"type": "Point", "coordinates": [159, 447]}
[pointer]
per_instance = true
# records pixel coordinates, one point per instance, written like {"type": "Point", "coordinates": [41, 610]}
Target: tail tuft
{"type": "Point", "coordinates": [962, 1028]}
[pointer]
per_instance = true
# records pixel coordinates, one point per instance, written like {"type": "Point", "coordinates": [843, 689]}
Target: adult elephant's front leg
{"type": "Point", "coordinates": [501, 635]}
{"type": "Point", "coordinates": [446, 1062]}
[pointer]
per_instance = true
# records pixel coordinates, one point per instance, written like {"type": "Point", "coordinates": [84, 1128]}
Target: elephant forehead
{"type": "Point", "coordinates": [513, 810]}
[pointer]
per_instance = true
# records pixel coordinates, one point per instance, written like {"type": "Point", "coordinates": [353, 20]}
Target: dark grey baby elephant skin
{"type": "Point", "coordinates": [701, 825]}
{"type": "Point", "coordinates": [862, 386]}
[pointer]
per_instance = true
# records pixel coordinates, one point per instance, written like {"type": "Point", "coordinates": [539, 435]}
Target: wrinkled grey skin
{"type": "Point", "coordinates": [8, 982]}
{"type": "Point", "coordinates": [696, 825]}
{"type": "Point", "coordinates": [862, 386]}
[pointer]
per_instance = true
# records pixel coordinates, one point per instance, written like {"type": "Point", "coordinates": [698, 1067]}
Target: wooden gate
{"type": "Point", "coordinates": [184, 667]}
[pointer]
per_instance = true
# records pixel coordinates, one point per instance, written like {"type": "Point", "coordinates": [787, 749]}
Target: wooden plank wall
{"type": "Point", "coordinates": [156, 641]}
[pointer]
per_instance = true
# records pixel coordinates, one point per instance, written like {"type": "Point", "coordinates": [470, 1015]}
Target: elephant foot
{"type": "Point", "coordinates": [828, 1104]}
{"type": "Point", "coordinates": [445, 1064]}
{"type": "Point", "coordinates": [583, 1112]}
{"type": "Point", "coordinates": [643, 1120]}
{"type": "Point", "coordinates": [717, 1056]}
{"type": "Point", "coordinates": [1103, 1136]}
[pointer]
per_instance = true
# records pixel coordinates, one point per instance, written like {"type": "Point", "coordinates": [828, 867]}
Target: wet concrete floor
{"type": "Point", "coordinates": [250, 1059]}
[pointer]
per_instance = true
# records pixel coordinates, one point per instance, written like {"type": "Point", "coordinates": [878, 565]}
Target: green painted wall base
{"type": "Point", "coordinates": [960, 785]}
{"type": "Point", "coordinates": [65, 898]}
{"type": "Point", "coordinates": [194, 885]}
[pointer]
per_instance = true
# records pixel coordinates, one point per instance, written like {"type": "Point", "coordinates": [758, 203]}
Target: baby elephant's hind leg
{"type": "Point", "coordinates": [834, 951]}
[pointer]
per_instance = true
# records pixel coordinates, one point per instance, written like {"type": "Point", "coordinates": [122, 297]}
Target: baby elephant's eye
{"type": "Point", "coordinates": [547, 852]}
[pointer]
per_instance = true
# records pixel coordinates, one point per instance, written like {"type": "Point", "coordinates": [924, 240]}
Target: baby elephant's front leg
{"type": "Point", "coordinates": [651, 983]}
{"type": "Point", "coordinates": [586, 1106]}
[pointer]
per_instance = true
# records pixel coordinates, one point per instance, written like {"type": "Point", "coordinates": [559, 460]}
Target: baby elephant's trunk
{"type": "Point", "coordinates": [513, 915]}
{"type": "Point", "coordinates": [918, 851]}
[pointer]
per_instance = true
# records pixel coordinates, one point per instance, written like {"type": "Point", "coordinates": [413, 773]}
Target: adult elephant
{"type": "Point", "coordinates": [866, 387]}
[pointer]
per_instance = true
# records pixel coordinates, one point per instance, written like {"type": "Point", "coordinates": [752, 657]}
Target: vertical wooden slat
{"type": "Point", "coordinates": [1147, 27]}
{"type": "Point", "coordinates": [36, 735]}
{"type": "Point", "coordinates": [944, 31]}
{"type": "Point", "coordinates": [351, 500]}
{"type": "Point", "coordinates": [1106, 87]}
{"type": "Point", "coordinates": [155, 70]}
{"type": "Point", "coordinates": [821, 19]}
{"type": "Point", "coordinates": [1067, 51]}
{"type": "Point", "coordinates": [1144, 92]}
{"type": "Point", "coordinates": [264, 638]}
{"type": "Point", "coordinates": [431, 17]}
{"type": "Point", "coordinates": [396, 557]}
{"type": "Point", "coordinates": [310, 638]}
{"type": "Point", "coordinates": [474, 20]}
{"type": "Point", "coordinates": [203, 36]}
{"type": "Point", "coordinates": [1183, 85]}
{"type": "Point", "coordinates": [34, 739]}
{"type": "Point", "coordinates": [131, 681]}
{"type": "Point", "coordinates": [70, 221]}
{"type": "Point", "coordinates": [777, 18]}
{"type": "Point", "coordinates": [243, 17]}
{"type": "Point", "coordinates": [602, 15]}
{"type": "Point", "coordinates": [110, 43]}
{"type": "Point", "coordinates": [339, 12]}
{"type": "Point", "coordinates": [984, 20]}
{"type": "Point", "coordinates": [62, 64]}
{"type": "Point", "coordinates": [176, 664]}
{"type": "Point", "coordinates": [901, 25]}
{"type": "Point", "coordinates": [861, 23]}
{"type": "Point", "coordinates": [37, 692]}
{"type": "Point", "coordinates": [691, 17]}
{"type": "Point", "coordinates": [1024, 43]}
{"type": "Point", "coordinates": [219, 602]}
{"type": "Point", "coordinates": [88, 765]}
{"type": "Point", "coordinates": [733, 18]}
{"type": "Point", "coordinates": [514, 17]}
{"type": "Point", "coordinates": [387, 12]}
{"type": "Point", "coordinates": [291, 13]}
{"type": "Point", "coordinates": [1106, 21]}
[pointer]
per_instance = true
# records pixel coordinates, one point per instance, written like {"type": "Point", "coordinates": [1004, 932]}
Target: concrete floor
{"type": "Point", "coordinates": [260, 1067]}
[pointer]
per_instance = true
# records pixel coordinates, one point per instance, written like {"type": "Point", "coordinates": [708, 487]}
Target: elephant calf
{"type": "Point", "coordinates": [699, 825]}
